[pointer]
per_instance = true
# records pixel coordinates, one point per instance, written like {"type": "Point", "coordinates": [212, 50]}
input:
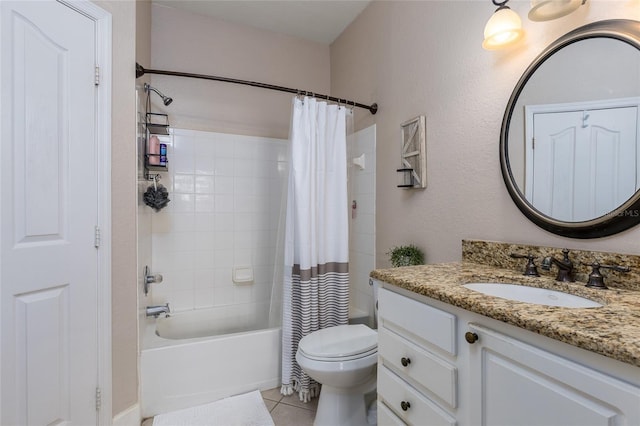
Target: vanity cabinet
{"type": "Point", "coordinates": [417, 375]}
{"type": "Point", "coordinates": [439, 364]}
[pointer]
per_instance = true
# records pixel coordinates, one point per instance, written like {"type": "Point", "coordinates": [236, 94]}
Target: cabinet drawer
{"type": "Point", "coordinates": [435, 327]}
{"type": "Point", "coordinates": [421, 366]}
{"type": "Point", "coordinates": [395, 393]}
{"type": "Point", "coordinates": [386, 416]}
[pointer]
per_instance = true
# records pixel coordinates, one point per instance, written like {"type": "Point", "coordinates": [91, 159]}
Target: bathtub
{"type": "Point", "coordinates": [199, 356]}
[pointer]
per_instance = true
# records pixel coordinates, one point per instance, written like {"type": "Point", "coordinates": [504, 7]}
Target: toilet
{"type": "Point", "coordinates": [344, 360]}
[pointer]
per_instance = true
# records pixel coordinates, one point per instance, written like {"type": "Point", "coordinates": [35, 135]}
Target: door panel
{"type": "Point", "coordinates": [48, 270]}
{"type": "Point", "coordinates": [584, 162]}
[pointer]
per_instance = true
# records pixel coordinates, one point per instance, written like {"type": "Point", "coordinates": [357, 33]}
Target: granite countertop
{"type": "Point", "coordinates": [612, 330]}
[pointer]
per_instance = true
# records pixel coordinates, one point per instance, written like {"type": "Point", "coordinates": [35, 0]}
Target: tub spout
{"type": "Point", "coordinates": [155, 311]}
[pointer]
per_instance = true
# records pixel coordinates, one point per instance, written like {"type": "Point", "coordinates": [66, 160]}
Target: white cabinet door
{"type": "Point", "coordinates": [49, 211]}
{"type": "Point", "coordinates": [513, 383]}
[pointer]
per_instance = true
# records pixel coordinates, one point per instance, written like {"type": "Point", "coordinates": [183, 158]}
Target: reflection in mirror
{"type": "Point", "coordinates": [569, 143]}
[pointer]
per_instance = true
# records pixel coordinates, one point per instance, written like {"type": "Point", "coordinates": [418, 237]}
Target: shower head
{"type": "Point", "coordinates": [165, 99]}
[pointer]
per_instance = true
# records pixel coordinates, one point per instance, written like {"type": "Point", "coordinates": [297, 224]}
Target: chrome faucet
{"type": "Point", "coordinates": [155, 311]}
{"type": "Point", "coordinates": [565, 266]}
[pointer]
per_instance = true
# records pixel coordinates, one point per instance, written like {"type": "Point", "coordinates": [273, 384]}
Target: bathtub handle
{"type": "Point", "coordinates": [150, 279]}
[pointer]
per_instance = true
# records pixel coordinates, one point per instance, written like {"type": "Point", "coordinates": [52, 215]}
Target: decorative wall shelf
{"type": "Point", "coordinates": [413, 154]}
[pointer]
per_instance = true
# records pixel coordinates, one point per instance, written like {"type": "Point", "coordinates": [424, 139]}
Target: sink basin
{"type": "Point", "coordinates": [538, 296]}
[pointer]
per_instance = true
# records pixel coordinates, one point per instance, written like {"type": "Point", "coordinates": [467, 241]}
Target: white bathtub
{"type": "Point", "coordinates": [186, 369]}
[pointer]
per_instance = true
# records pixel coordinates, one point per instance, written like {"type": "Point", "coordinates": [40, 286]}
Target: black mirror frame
{"type": "Point", "coordinates": [625, 216]}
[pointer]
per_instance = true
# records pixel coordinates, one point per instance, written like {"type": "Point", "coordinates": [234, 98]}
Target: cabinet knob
{"type": "Point", "coordinates": [405, 405]}
{"type": "Point", "coordinates": [471, 337]}
{"type": "Point", "coordinates": [405, 361]}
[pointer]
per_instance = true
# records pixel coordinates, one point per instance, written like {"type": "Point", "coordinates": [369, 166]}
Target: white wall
{"type": "Point", "coordinates": [183, 41]}
{"type": "Point", "coordinates": [225, 193]}
{"type": "Point", "coordinates": [426, 58]}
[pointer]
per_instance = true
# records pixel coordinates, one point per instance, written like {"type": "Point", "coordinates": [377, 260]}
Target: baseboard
{"type": "Point", "coordinates": [130, 417]}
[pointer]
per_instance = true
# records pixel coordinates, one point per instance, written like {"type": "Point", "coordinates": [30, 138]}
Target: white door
{"type": "Point", "coordinates": [582, 164]}
{"type": "Point", "coordinates": [48, 215]}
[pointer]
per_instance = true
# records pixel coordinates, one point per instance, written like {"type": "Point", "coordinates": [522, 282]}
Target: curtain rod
{"type": "Point", "coordinates": [140, 71]}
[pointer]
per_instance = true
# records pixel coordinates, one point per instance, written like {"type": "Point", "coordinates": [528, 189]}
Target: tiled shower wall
{"type": "Point", "coordinates": [225, 193]}
{"type": "Point", "coordinates": [362, 189]}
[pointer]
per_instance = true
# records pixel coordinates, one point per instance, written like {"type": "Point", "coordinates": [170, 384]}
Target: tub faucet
{"type": "Point", "coordinates": [565, 266]}
{"type": "Point", "coordinates": [155, 311]}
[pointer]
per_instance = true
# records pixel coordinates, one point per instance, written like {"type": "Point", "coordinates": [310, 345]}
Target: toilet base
{"type": "Point", "coordinates": [343, 407]}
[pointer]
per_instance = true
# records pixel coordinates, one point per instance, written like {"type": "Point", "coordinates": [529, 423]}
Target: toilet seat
{"type": "Point", "coordinates": [340, 343]}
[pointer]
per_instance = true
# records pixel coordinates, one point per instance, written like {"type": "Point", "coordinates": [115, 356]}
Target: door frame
{"type": "Point", "coordinates": [103, 23]}
{"type": "Point", "coordinates": [103, 31]}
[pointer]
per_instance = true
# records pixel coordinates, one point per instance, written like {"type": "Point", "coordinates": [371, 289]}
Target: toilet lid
{"type": "Point", "coordinates": [339, 342]}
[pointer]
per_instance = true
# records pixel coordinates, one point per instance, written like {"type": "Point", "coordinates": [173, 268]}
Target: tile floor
{"type": "Point", "coordinates": [288, 410]}
{"type": "Point", "coordinates": [285, 410]}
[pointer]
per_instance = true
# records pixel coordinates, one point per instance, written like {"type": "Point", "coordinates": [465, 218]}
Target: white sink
{"type": "Point", "coordinates": [538, 296]}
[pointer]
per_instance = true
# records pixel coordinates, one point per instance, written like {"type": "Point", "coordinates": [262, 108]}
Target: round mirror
{"type": "Point", "coordinates": [570, 137]}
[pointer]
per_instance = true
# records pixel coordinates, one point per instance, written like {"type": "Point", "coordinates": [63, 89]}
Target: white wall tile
{"type": "Point", "coordinates": [204, 184]}
{"type": "Point", "coordinates": [224, 185]}
{"type": "Point", "coordinates": [223, 258]}
{"type": "Point", "coordinates": [183, 203]}
{"type": "Point", "coordinates": [182, 155]}
{"type": "Point", "coordinates": [222, 213]}
{"type": "Point", "coordinates": [223, 296]}
{"type": "Point", "coordinates": [204, 222]}
{"type": "Point", "coordinates": [204, 203]}
{"type": "Point", "coordinates": [204, 277]}
{"type": "Point", "coordinates": [224, 221]}
{"type": "Point", "coordinates": [204, 259]}
{"type": "Point", "coordinates": [203, 297]}
{"type": "Point", "coordinates": [224, 166]}
{"type": "Point", "coordinates": [182, 300]}
{"type": "Point", "coordinates": [205, 241]}
{"type": "Point", "coordinates": [181, 222]}
{"type": "Point", "coordinates": [183, 241]}
{"type": "Point", "coordinates": [183, 183]}
{"type": "Point", "coordinates": [224, 203]}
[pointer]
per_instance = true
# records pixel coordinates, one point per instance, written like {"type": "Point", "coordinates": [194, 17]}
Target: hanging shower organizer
{"type": "Point", "coordinates": [155, 157]}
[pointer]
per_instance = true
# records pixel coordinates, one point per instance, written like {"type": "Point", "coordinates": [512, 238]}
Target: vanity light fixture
{"type": "Point", "coordinates": [547, 10]}
{"type": "Point", "coordinates": [503, 28]}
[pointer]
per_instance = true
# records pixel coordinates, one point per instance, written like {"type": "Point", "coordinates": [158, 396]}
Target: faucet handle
{"type": "Point", "coordinates": [596, 280]}
{"type": "Point", "coordinates": [530, 270]}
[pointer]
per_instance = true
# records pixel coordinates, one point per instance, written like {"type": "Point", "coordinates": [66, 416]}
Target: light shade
{"type": "Point", "coordinates": [546, 10]}
{"type": "Point", "coordinates": [503, 28]}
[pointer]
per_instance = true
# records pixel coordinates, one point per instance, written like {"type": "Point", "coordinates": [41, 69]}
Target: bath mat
{"type": "Point", "coordinates": [241, 410]}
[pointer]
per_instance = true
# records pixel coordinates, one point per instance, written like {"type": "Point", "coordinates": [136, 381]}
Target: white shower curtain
{"type": "Point", "coordinates": [316, 248]}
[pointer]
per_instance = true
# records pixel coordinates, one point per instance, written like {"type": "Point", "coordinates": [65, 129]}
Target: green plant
{"type": "Point", "coordinates": [406, 256]}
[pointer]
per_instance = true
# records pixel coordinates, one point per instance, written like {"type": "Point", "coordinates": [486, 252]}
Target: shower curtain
{"type": "Point", "coordinates": [316, 247]}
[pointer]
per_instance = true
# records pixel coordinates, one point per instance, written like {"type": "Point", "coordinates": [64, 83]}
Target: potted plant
{"type": "Point", "coordinates": [406, 256]}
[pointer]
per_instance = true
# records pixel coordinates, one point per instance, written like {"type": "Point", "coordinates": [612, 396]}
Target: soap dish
{"type": "Point", "coordinates": [242, 275]}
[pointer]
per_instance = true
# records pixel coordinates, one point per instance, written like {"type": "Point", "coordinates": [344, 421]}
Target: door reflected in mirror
{"type": "Point", "coordinates": [570, 138]}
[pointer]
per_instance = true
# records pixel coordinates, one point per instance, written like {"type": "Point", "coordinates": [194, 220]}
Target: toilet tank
{"type": "Point", "coordinates": [375, 284]}
{"type": "Point", "coordinates": [358, 316]}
